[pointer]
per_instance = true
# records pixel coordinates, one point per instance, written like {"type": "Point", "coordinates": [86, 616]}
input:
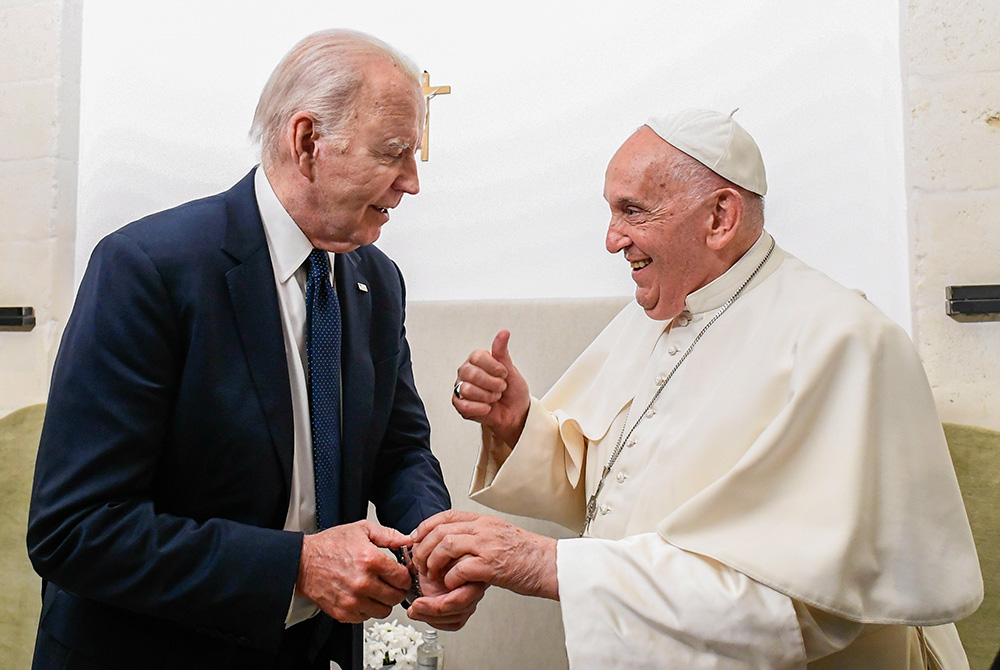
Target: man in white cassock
{"type": "Point", "coordinates": [752, 451]}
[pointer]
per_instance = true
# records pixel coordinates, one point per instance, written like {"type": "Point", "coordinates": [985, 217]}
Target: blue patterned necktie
{"type": "Point", "coordinates": [323, 349]}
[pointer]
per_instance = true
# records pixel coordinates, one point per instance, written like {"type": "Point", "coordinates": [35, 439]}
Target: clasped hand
{"type": "Point", "coordinates": [345, 572]}
{"type": "Point", "coordinates": [456, 550]}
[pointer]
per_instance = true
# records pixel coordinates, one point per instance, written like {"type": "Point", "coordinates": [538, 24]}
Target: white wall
{"type": "Point", "coordinates": [39, 98]}
{"type": "Point", "coordinates": [951, 67]}
{"type": "Point", "coordinates": [543, 93]}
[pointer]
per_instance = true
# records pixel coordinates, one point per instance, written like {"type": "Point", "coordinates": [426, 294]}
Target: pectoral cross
{"type": "Point", "coordinates": [429, 92]}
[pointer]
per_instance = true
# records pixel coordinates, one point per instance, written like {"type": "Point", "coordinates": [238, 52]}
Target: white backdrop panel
{"type": "Point", "coordinates": [542, 95]}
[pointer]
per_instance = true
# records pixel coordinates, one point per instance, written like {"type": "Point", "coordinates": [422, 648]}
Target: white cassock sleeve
{"type": "Point", "coordinates": [532, 481]}
{"type": "Point", "coordinates": [640, 602]}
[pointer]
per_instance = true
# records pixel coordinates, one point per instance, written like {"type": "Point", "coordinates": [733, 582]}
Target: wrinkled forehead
{"type": "Point", "coordinates": [390, 100]}
{"type": "Point", "coordinates": [643, 160]}
{"type": "Point", "coordinates": [385, 82]}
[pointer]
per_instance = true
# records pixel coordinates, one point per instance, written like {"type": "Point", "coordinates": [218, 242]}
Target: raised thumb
{"type": "Point", "coordinates": [499, 348]}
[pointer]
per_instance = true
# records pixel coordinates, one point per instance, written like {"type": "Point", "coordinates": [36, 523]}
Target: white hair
{"type": "Point", "coordinates": [698, 180]}
{"type": "Point", "coordinates": [320, 75]}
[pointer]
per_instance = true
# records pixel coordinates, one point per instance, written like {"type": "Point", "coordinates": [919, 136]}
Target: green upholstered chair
{"type": "Point", "coordinates": [20, 587]}
{"type": "Point", "coordinates": [976, 453]}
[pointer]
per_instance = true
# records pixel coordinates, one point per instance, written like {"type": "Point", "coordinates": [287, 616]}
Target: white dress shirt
{"type": "Point", "coordinates": [289, 248]}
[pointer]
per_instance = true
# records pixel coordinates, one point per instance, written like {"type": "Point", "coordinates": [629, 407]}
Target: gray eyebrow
{"type": "Point", "coordinates": [399, 144]}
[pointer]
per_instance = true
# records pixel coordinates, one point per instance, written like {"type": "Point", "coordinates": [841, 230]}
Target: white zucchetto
{"type": "Point", "coordinates": [716, 141]}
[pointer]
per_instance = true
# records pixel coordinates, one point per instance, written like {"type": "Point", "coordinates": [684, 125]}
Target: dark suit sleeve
{"type": "Point", "coordinates": [409, 485]}
{"type": "Point", "coordinates": [95, 528]}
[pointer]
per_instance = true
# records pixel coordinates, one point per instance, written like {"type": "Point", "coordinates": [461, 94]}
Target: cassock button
{"type": "Point", "coordinates": [659, 380]}
{"type": "Point", "coordinates": [673, 350]}
{"type": "Point", "coordinates": [630, 443]}
{"type": "Point", "coordinates": [684, 318]}
{"type": "Point", "coordinates": [650, 413]}
{"type": "Point", "coordinates": [605, 509]}
{"type": "Point", "coordinates": [621, 477]}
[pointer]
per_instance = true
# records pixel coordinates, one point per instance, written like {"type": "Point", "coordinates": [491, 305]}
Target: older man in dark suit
{"type": "Point", "coordinates": [233, 387]}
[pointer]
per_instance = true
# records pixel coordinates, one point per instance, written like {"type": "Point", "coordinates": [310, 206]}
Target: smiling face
{"type": "Point", "coordinates": [659, 223]}
{"type": "Point", "coordinates": [364, 171]}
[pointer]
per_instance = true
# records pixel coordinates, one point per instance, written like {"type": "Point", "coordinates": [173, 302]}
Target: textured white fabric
{"type": "Point", "coordinates": [719, 618]}
{"type": "Point", "coordinates": [799, 445]}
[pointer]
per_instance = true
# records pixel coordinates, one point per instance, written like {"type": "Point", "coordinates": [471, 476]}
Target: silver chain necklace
{"type": "Point", "coordinates": [623, 436]}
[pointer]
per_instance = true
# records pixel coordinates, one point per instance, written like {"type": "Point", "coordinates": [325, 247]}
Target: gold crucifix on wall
{"type": "Point", "coordinates": [429, 92]}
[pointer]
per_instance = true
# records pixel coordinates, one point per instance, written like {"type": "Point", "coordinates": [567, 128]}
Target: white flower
{"type": "Point", "coordinates": [392, 642]}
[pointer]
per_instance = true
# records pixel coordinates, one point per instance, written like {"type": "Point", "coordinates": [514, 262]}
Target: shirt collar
{"type": "Point", "coordinates": [288, 244]}
{"type": "Point", "coordinates": [714, 294]}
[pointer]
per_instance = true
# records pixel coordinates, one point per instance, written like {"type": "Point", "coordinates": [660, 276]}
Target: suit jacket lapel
{"type": "Point", "coordinates": [358, 375]}
{"type": "Point", "coordinates": [255, 304]}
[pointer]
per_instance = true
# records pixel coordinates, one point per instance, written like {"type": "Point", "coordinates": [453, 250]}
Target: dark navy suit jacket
{"type": "Point", "coordinates": [163, 474]}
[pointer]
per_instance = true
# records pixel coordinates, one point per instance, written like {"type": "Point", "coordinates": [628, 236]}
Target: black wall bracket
{"type": "Point", "coordinates": [979, 302]}
{"type": "Point", "coordinates": [17, 318]}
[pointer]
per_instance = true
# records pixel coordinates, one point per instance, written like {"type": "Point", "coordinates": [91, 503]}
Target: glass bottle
{"type": "Point", "coordinates": [430, 654]}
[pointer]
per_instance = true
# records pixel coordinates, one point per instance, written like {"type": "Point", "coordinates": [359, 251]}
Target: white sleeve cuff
{"type": "Point", "coordinates": [539, 426]}
{"type": "Point", "coordinates": [529, 479]}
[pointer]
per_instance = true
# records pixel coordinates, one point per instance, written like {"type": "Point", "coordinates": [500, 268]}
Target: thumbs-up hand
{"type": "Point", "coordinates": [490, 390]}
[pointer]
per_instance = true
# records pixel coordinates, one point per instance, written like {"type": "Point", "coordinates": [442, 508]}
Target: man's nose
{"type": "Point", "coordinates": [407, 181]}
{"type": "Point", "coordinates": [615, 240]}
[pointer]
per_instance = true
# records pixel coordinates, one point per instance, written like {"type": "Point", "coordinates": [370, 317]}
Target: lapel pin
{"type": "Point", "coordinates": [362, 287]}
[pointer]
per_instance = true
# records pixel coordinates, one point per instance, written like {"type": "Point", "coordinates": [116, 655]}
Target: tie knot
{"type": "Point", "coordinates": [319, 265]}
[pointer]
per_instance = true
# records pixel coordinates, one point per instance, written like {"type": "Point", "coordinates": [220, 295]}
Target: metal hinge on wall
{"type": "Point", "coordinates": [17, 318]}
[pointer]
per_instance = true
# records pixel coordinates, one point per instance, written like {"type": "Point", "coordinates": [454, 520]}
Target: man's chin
{"type": "Point", "coordinates": [654, 309]}
{"type": "Point", "coordinates": [367, 237]}
{"type": "Point", "coordinates": [648, 305]}
{"type": "Point", "coordinates": [651, 314]}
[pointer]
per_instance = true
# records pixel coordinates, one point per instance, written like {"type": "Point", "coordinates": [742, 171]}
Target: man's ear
{"type": "Point", "coordinates": [301, 140]}
{"type": "Point", "coordinates": [726, 218]}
